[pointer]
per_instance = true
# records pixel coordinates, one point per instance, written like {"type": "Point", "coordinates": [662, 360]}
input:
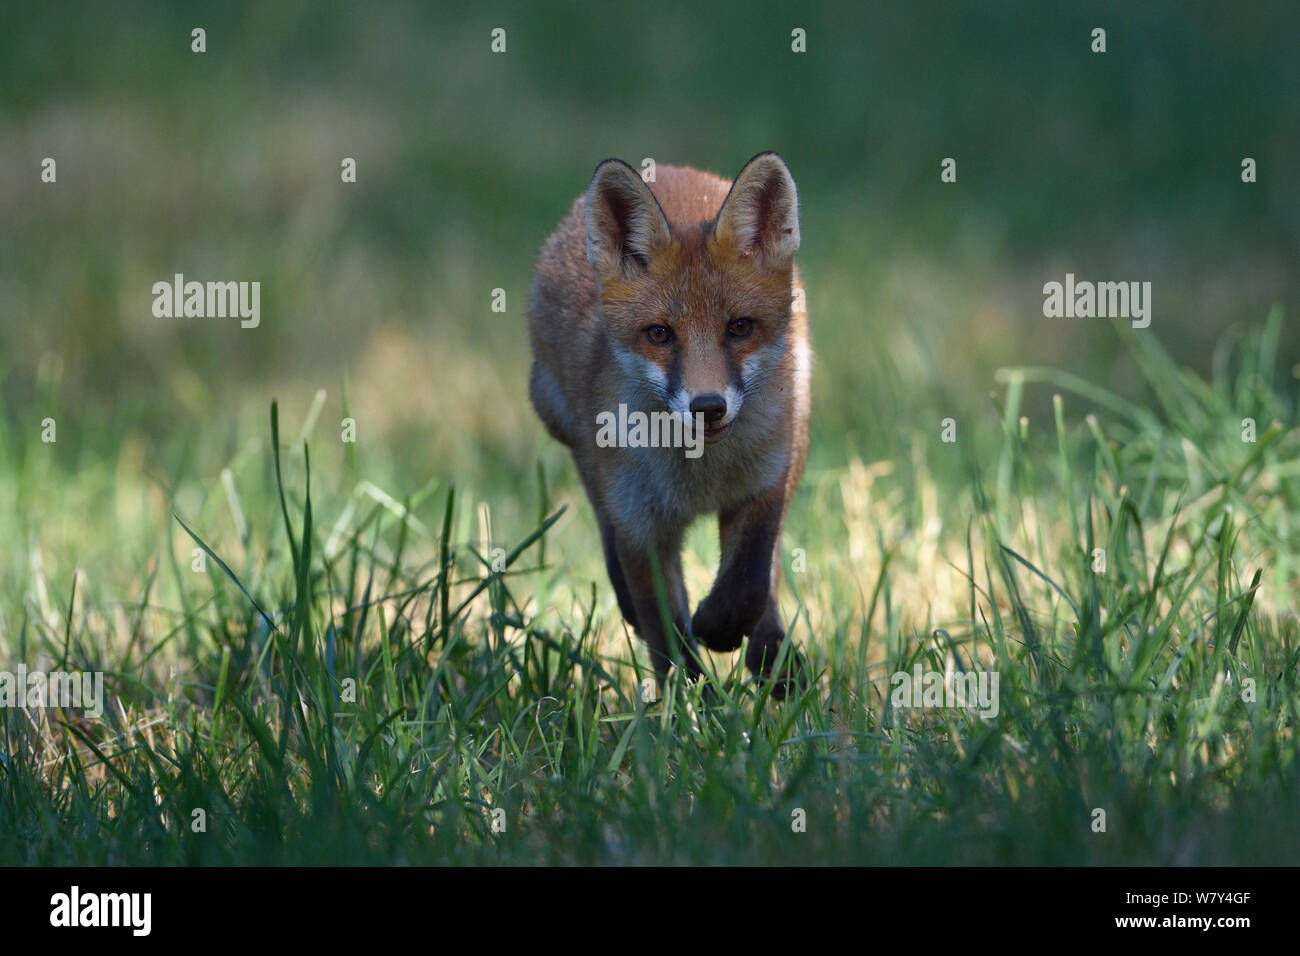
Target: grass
{"type": "Point", "coordinates": [230, 582]}
{"type": "Point", "coordinates": [371, 673]}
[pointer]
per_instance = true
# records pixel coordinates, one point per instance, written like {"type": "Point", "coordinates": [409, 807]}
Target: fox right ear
{"type": "Point", "coordinates": [625, 226]}
{"type": "Point", "coordinates": [760, 216]}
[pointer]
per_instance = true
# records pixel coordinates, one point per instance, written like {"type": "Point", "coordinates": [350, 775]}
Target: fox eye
{"type": "Point", "coordinates": [659, 334]}
{"type": "Point", "coordinates": [740, 328]}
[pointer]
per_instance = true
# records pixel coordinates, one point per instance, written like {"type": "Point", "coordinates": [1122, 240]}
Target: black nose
{"type": "Point", "coordinates": [712, 406]}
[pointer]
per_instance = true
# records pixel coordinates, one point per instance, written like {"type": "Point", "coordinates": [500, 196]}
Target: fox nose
{"type": "Point", "coordinates": [711, 405]}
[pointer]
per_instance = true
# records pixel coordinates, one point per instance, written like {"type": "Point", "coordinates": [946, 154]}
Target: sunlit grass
{"type": "Point", "coordinates": [498, 712]}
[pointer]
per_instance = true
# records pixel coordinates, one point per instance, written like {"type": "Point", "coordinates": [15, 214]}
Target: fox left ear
{"type": "Point", "coordinates": [760, 215]}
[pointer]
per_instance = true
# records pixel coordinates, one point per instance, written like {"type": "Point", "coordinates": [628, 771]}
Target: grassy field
{"type": "Point", "coordinates": [497, 715]}
{"type": "Point", "coordinates": [404, 649]}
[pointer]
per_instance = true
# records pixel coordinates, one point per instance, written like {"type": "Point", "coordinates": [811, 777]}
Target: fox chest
{"type": "Point", "coordinates": [656, 492]}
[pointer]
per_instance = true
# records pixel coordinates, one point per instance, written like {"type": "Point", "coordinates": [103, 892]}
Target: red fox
{"type": "Point", "coordinates": [677, 297]}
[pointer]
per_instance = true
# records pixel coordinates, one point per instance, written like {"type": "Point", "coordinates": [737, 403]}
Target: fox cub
{"type": "Point", "coordinates": [676, 298]}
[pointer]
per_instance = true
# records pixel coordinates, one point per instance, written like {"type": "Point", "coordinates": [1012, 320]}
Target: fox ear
{"type": "Point", "coordinates": [760, 215]}
{"type": "Point", "coordinates": [625, 226]}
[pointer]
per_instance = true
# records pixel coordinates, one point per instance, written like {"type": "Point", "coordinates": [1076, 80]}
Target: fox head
{"type": "Point", "coordinates": [696, 312]}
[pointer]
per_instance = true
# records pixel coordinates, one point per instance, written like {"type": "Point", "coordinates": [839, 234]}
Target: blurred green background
{"type": "Point", "coordinates": [376, 301]}
{"type": "Point", "coordinates": [225, 165]}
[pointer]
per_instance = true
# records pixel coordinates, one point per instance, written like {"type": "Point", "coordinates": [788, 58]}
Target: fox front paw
{"type": "Point", "coordinates": [721, 623]}
{"type": "Point", "coordinates": [760, 658]}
